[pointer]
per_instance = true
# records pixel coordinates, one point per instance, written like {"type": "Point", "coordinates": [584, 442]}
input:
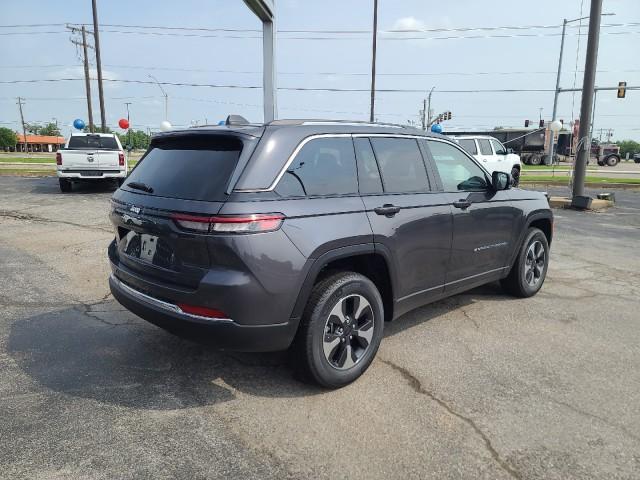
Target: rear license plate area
{"type": "Point", "coordinates": [147, 248]}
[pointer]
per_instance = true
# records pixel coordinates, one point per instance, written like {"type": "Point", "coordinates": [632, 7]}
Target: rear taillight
{"type": "Point", "coordinates": [201, 311]}
{"type": "Point", "coordinates": [121, 159]}
{"type": "Point", "coordinates": [229, 224]}
{"type": "Point", "coordinates": [58, 158]}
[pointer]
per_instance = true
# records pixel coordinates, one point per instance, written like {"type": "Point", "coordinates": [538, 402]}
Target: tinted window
{"type": "Point", "coordinates": [401, 165]}
{"type": "Point", "coordinates": [368, 173]}
{"type": "Point", "coordinates": [324, 166]}
{"type": "Point", "coordinates": [469, 144]}
{"type": "Point", "coordinates": [92, 142]}
{"type": "Point", "coordinates": [457, 171]}
{"type": "Point", "coordinates": [194, 167]}
{"type": "Point", "coordinates": [485, 146]}
{"type": "Point", "coordinates": [498, 148]}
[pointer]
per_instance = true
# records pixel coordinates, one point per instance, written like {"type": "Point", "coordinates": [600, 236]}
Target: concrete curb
{"type": "Point", "coordinates": [565, 202]}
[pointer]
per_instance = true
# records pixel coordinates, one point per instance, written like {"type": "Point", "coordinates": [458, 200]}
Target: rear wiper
{"type": "Point", "coordinates": [140, 186]}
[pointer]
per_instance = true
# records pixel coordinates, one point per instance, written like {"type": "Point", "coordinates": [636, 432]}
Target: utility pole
{"type": "Point", "coordinates": [24, 128]}
{"type": "Point", "coordinates": [129, 129]}
{"type": "Point", "coordinates": [557, 91]}
{"type": "Point", "coordinates": [584, 143]}
{"type": "Point", "coordinates": [96, 36]}
{"type": "Point", "coordinates": [424, 113]}
{"type": "Point", "coordinates": [87, 79]}
{"type": "Point", "coordinates": [373, 60]}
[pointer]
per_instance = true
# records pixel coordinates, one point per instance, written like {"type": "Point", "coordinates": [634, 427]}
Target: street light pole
{"type": "Point", "coordinates": [373, 61]}
{"type": "Point", "coordinates": [584, 148]}
{"type": "Point", "coordinates": [557, 91]}
{"type": "Point", "coordinates": [166, 97]}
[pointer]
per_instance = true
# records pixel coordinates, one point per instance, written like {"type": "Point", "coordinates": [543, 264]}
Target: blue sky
{"type": "Point", "coordinates": [340, 62]}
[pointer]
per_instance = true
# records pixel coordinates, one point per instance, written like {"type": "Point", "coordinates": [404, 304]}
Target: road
{"type": "Point", "coordinates": [477, 386]}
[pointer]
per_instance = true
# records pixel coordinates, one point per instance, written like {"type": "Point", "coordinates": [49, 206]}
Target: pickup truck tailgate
{"type": "Point", "coordinates": [81, 159]}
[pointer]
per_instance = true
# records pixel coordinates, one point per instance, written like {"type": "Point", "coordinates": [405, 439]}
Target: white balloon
{"type": "Point", "coordinates": [555, 126]}
{"type": "Point", "coordinates": [165, 126]}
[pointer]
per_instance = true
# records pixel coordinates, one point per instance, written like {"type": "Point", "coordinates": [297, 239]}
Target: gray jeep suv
{"type": "Point", "coordinates": [309, 235]}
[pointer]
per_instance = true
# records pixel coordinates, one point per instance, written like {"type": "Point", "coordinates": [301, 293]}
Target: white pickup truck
{"type": "Point", "coordinates": [493, 155]}
{"type": "Point", "coordinates": [90, 157]}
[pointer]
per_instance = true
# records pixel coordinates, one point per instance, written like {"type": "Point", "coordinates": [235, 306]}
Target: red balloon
{"type": "Point", "coordinates": [123, 123]}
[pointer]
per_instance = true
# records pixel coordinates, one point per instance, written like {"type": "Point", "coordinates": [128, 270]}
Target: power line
{"type": "Point", "coordinates": [256, 87]}
{"type": "Point", "coordinates": [384, 38]}
{"type": "Point", "coordinates": [363, 74]}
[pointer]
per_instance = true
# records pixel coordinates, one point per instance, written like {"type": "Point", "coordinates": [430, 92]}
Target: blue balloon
{"type": "Point", "coordinates": [436, 128]}
{"type": "Point", "coordinates": [222, 122]}
{"type": "Point", "coordinates": [78, 124]}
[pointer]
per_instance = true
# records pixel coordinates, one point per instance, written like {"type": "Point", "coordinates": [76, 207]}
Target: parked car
{"type": "Point", "coordinates": [636, 157]}
{"type": "Point", "coordinates": [493, 155]}
{"type": "Point", "coordinates": [310, 235]}
{"type": "Point", "coordinates": [90, 157]}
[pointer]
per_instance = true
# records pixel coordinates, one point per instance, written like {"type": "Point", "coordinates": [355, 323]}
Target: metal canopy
{"type": "Point", "coordinates": [265, 11]}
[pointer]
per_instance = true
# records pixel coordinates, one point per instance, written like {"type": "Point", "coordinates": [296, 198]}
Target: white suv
{"type": "Point", "coordinates": [492, 154]}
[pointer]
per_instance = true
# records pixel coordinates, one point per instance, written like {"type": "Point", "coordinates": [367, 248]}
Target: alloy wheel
{"type": "Point", "coordinates": [534, 264]}
{"type": "Point", "coordinates": [348, 332]}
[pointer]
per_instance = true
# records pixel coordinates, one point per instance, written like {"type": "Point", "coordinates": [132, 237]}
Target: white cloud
{"type": "Point", "coordinates": [408, 24]}
{"type": "Point", "coordinates": [78, 72]}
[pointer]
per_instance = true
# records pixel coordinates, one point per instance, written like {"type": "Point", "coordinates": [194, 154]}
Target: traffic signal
{"type": "Point", "coordinates": [526, 124]}
{"type": "Point", "coordinates": [622, 89]}
{"type": "Point", "coordinates": [448, 115]}
{"type": "Point", "coordinates": [439, 118]}
{"type": "Point", "coordinates": [541, 124]}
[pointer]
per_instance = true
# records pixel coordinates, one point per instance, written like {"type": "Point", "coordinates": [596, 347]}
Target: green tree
{"type": "Point", "coordinates": [47, 129]}
{"type": "Point", "coordinates": [33, 128]}
{"type": "Point", "coordinates": [50, 129]}
{"type": "Point", "coordinates": [8, 138]}
{"type": "Point", "coordinates": [628, 146]}
{"type": "Point", "coordinates": [139, 139]}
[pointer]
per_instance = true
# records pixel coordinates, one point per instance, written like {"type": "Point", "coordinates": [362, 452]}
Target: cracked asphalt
{"type": "Point", "coordinates": [480, 385]}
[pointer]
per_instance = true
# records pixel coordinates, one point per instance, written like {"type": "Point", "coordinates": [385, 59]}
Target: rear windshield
{"type": "Point", "coordinates": [92, 141]}
{"type": "Point", "coordinates": [192, 167]}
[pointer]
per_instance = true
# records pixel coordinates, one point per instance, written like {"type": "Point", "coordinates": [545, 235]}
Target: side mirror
{"type": "Point", "coordinates": [500, 181]}
{"type": "Point", "coordinates": [509, 150]}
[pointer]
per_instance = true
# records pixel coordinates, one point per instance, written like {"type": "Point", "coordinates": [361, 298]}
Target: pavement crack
{"type": "Point", "coordinates": [417, 386]}
{"type": "Point", "coordinates": [584, 413]}
{"type": "Point", "coordinates": [16, 215]}
{"type": "Point", "coordinates": [470, 318]}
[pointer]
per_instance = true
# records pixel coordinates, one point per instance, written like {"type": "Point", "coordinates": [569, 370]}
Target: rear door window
{"type": "Point", "coordinates": [84, 142]}
{"type": "Point", "coordinates": [323, 166]}
{"type": "Point", "coordinates": [369, 179]}
{"type": "Point", "coordinates": [469, 144]}
{"type": "Point", "coordinates": [485, 146]}
{"type": "Point", "coordinates": [192, 167]}
{"type": "Point", "coordinates": [401, 165]}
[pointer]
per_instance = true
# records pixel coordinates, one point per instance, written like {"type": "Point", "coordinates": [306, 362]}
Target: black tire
{"type": "Point", "coordinates": [516, 283]}
{"type": "Point", "coordinates": [515, 176]}
{"type": "Point", "coordinates": [317, 331]}
{"type": "Point", "coordinates": [612, 160]}
{"type": "Point", "coordinates": [535, 160]}
{"type": "Point", "coordinates": [65, 185]}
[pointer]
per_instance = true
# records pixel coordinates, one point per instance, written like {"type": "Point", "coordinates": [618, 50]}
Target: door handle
{"type": "Point", "coordinates": [387, 210]}
{"type": "Point", "coordinates": [463, 204]}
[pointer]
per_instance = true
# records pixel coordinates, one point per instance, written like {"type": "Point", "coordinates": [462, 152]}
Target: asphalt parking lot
{"type": "Point", "coordinates": [477, 386]}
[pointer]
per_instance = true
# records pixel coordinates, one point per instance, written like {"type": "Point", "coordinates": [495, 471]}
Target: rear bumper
{"type": "Point", "coordinates": [221, 333]}
{"type": "Point", "coordinates": [87, 174]}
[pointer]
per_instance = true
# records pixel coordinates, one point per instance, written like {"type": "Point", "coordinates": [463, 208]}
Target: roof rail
{"type": "Point", "coordinates": [335, 122]}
